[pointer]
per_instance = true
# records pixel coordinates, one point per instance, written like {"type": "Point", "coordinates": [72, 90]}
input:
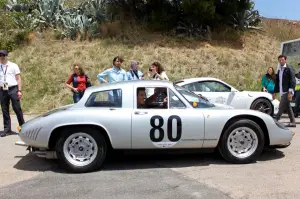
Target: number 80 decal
{"type": "Point", "coordinates": [169, 128]}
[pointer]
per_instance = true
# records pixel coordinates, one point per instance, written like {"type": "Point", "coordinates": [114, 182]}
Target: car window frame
{"type": "Point", "coordinates": [106, 107]}
{"type": "Point", "coordinates": [213, 81]}
{"type": "Point", "coordinates": [135, 97]}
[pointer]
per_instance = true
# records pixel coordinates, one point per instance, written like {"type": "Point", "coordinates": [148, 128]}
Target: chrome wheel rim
{"type": "Point", "coordinates": [80, 149]}
{"type": "Point", "coordinates": [242, 142]}
{"type": "Point", "coordinates": [264, 107]}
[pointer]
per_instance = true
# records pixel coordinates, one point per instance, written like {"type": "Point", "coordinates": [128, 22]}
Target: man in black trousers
{"type": "Point", "coordinates": [10, 90]}
{"type": "Point", "coordinates": [285, 85]}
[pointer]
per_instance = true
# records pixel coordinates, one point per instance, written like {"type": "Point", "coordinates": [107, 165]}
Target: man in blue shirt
{"type": "Point", "coordinates": [134, 73]}
{"type": "Point", "coordinates": [114, 74]}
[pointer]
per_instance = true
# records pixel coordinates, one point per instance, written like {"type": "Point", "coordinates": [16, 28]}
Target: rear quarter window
{"type": "Point", "coordinates": [107, 98]}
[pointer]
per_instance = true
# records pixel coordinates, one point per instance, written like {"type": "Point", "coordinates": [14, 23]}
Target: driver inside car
{"type": "Point", "coordinates": [159, 99]}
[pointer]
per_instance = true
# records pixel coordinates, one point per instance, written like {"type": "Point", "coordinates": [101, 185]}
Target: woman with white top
{"type": "Point", "coordinates": [157, 72]}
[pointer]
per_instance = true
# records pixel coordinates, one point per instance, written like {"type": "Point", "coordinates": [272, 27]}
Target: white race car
{"type": "Point", "coordinates": [218, 91]}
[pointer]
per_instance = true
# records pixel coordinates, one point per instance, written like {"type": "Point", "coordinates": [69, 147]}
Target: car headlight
{"type": "Point", "coordinates": [280, 125]}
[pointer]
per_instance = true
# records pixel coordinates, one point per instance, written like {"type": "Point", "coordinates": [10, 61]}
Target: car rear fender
{"type": "Point", "coordinates": [58, 129]}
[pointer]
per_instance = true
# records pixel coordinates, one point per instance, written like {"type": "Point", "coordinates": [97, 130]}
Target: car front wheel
{"type": "Point", "coordinates": [81, 149]}
{"type": "Point", "coordinates": [242, 142]}
{"type": "Point", "coordinates": [263, 105]}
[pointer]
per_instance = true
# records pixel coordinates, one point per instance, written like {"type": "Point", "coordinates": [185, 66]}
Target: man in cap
{"type": "Point", "coordinates": [134, 73]}
{"type": "Point", "coordinates": [10, 90]}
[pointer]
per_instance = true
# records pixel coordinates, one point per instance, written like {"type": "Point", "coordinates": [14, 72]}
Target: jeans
{"type": "Point", "coordinates": [77, 96]}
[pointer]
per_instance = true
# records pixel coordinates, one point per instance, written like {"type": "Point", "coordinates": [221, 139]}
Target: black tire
{"type": "Point", "coordinates": [263, 105]}
{"type": "Point", "coordinates": [225, 151]}
{"type": "Point", "coordinates": [99, 157]}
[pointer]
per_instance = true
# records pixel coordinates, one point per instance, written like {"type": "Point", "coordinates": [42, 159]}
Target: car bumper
{"type": "Point", "coordinates": [31, 136]}
{"type": "Point", "coordinates": [282, 138]}
{"type": "Point", "coordinates": [275, 106]}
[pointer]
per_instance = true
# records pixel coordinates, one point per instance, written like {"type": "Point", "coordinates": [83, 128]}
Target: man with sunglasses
{"type": "Point", "coordinates": [10, 90]}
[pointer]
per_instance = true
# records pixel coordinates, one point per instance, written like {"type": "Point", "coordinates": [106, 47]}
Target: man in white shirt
{"type": "Point", "coordinates": [10, 90]}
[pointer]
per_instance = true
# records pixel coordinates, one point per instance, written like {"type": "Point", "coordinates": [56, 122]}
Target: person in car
{"type": "Point", "coordinates": [159, 99]}
{"type": "Point", "coordinates": [141, 96]}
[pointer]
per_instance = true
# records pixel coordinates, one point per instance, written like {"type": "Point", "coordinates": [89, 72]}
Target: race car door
{"type": "Point", "coordinates": [166, 125]}
{"type": "Point", "coordinates": [217, 92]}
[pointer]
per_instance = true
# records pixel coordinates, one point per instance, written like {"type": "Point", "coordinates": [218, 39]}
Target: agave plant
{"type": "Point", "coordinates": [49, 12]}
{"type": "Point", "coordinates": [94, 9]}
{"type": "Point", "coordinates": [74, 23]}
{"type": "Point", "coordinates": [245, 19]}
{"type": "Point", "coordinates": [193, 30]}
{"type": "Point", "coordinates": [25, 21]}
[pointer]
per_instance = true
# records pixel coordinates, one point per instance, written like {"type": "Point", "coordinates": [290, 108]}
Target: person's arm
{"type": "Point", "coordinates": [162, 76]}
{"type": "Point", "coordinates": [102, 75]}
{"type": "Point", "coordinates": [68, 83]}
{"type": "Point", "coordinates": [128, 74]}
{"type": "Point", "coordinates": [264, 82]}
{"type": "Point", "coordinates": [19, 82]}
{"type": "Point", "coordinates": [125, 76]}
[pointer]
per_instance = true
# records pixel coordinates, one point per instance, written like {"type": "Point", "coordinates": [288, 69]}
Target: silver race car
{"type": "Point", "coordinates": [147, 115]}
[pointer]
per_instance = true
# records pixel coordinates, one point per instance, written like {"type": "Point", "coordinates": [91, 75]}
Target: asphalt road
{"type": "Point", "coordinates": [275, 175]}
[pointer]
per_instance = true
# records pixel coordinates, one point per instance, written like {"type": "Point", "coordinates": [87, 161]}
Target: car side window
{"type": "Point", "coordinates": [211, 86]}
{"type": "Point", "coordinates": [174, 101]}
{"type": "Point", "coordinates": [152, 97]}
{"type": "Point", "coordinates": [107, 98]}
{"type": "Point", "coordinates": [191, 87]}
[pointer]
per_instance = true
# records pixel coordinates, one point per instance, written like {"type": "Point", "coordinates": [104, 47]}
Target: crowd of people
{"type": "Point", "coordinates": [286, 82]}
{"type": "Point", "coordinates": [116, 73]}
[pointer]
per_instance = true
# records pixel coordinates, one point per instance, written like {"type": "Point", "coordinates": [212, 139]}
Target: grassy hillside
{"type": "Point", "coordinates": [240, 59]}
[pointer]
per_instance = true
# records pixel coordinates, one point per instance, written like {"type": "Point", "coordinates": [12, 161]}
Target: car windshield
{"type": "Point", "coordinates": [195, 100]}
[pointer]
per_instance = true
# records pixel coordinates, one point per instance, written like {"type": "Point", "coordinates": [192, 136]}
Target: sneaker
{"type": "Point", "coordinates": [3, 134]}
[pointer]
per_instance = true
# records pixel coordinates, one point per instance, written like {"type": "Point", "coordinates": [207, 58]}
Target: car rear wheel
{"type": "Point", "coordinates": [263, 105]}
{"type": "Point", "coordinates": [81, 149]}
{"type": "Point", "coordinates": [242, 142]}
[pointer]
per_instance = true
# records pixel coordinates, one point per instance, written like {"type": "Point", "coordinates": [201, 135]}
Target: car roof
{"type": "Point", "coordinates": [130, 83]}
{"type": "Point", "coordinates": [195, 79]}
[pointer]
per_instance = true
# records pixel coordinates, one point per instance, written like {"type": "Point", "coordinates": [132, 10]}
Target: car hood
{"type": "Point", "coordinates": [222, 106]}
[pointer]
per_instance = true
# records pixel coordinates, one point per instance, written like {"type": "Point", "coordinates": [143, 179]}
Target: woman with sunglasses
{"type": "Point", "coordinates": [80, 82]}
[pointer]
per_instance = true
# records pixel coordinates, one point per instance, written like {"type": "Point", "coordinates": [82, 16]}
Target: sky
{"type": "Point", "coordinates": [282, 9]}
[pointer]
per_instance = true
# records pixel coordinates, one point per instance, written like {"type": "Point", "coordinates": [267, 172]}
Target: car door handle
{"type": "Point", "coordinates": [140, 113]}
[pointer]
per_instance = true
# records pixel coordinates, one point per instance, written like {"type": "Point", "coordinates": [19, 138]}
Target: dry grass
{"type": "Point", "coordinates": [282, 30]}
{"type": "Point", "coordinates": [46, 63]}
